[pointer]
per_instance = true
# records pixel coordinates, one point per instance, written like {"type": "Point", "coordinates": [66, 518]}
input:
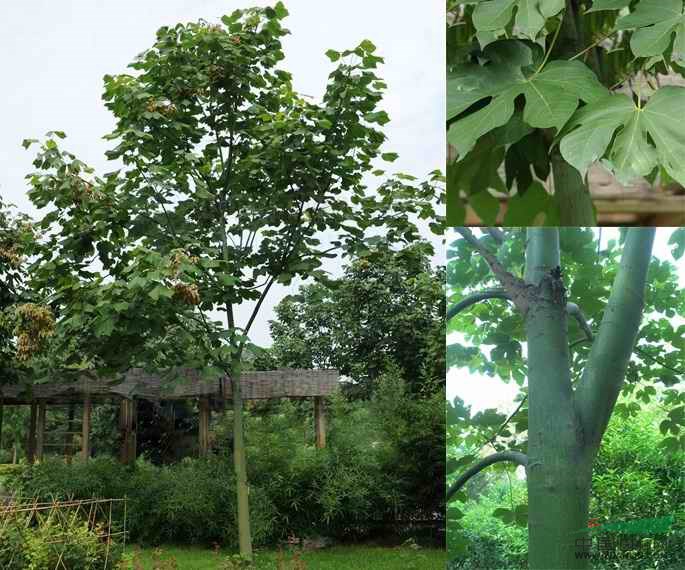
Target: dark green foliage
{"type": "Point", "coordinates": [16, 241]}
{"type": "Point", "coordinates": [485, 554]}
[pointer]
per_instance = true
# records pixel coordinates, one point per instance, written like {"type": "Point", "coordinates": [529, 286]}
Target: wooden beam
{"type": "Point", "coordinates": [40, 432]}
{"type": "Point", "coordinates": [85, 437]}
{"type": "Point", "coordinates": [203, 426]}
{"type": "Point", "coordinates": [320, 421]}
{"type": "Point", "coordinates": [31, 443]}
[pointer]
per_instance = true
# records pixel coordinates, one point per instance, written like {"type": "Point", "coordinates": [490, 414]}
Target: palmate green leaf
{"type": "Point", "coordinates": [530, 15]}
{"type": "Point", "coordinates": [656, 22]}
{"type": "Point", "coordinates": [644, 136]}
{"type": "Point", "coordinates": [551, 94]}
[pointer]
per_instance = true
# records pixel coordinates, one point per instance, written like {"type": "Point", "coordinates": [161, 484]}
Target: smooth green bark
{"type": "Point", "coordinates": [571, 194]}
{"type": "Point", "coordinates": [566, 428]}
{"type": "Point", "coordinates": [240, 463]}
{"type": "Point", "coordinates": [558, 479]}
{"type": "Point", "coordinates": [603, 376]}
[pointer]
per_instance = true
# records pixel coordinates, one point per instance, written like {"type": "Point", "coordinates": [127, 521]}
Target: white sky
{"type": "Point", "coordinates": [53, 56]}
{"type": "Point", "coordinates": [482, 392]}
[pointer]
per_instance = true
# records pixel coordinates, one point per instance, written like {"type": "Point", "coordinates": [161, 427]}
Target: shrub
{"type": "Point", "coordinates": [13, 551]}
{"type": "Point", "coordinates": [54, 542]}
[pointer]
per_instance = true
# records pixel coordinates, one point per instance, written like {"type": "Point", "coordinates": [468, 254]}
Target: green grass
{"type": "Point", "coordinates": [335, 558]}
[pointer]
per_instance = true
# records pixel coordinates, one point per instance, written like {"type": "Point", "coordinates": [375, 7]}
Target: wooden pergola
{"type": "Point", "coordinates": [179, 384]}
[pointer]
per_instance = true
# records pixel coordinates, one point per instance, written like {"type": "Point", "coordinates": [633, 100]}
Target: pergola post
{"type": "Point", "coordinates": [69, 435]}
{"type": "Point", "coordinates": [203, 426]}
{"type": "Point", "coordinates": [31, 443]}
{"type": "Point", "coordinates": [40, 432]}
{"type": "Point", "coordinates": [320, 421]}
{"type": "Point", "coordinates": [2, 418]}
{"type": "Point", "coordinates": [85, 437]}
{"type": "Point", "coordinates": [127, 419]}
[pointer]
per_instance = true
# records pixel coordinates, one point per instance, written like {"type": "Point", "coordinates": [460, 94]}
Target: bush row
{"type": "Point", "coordinates": [364, 475]}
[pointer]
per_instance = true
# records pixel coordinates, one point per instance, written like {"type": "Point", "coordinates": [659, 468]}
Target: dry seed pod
{"type": "Point", "coordinates": [189, 294]}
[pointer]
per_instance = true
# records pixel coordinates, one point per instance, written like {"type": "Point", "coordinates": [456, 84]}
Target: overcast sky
{"type": "Point", "coordinates": [54, 55]}
{"type": "Point", "coordinates": [482, 392]}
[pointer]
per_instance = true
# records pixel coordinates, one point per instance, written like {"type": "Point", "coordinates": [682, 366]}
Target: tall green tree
{"type": "Point", "coordinates": [387, 311]}
{"type": "Point", "coordinates": [536, 90]}
{"type": "Point", "coordinates": [227, 181]}
{"type": "Point", "coordinates": [586, 343]}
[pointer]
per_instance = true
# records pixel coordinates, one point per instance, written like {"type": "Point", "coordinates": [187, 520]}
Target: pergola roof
{"type": "Point", "coordinates": [181, 383]}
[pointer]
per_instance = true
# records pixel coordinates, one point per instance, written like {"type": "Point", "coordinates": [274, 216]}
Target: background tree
{"type": "Point", "coordinates": [382, 325]}
{"type": "Point", "coordinates": [385, 312]}
{"type": "Point", "coordinates": [533, 91]}
{"type": "Point", "coordinates": [574, 371]}
{"type": "Point", "coordinates": [227, 182]}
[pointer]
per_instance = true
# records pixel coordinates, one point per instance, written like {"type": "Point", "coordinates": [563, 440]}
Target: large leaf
{"type": "Point", "coordinates": [551, 94]}
{"type": "Point", "coordinates": [656, 22]}
{"type": "Point", "coordinates": [644, 136]}
{"type": "Point", "coordinates": [495, 15]}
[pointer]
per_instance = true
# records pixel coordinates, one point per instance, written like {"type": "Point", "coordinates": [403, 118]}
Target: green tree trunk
{"type": "Point", "coordinates": [240, 464]}
{"type": "Point", "coordinates": [571, 195]}
{"type": "Point", "coordinates": [565, 427]}
{"type": "Point", "coordinates": [558, 474]}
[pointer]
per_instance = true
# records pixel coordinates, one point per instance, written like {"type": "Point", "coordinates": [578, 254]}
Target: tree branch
{"type": "Point", "coordinates": [474, 298]}
{"type": "Point", "coordinates": [574, 311]}
{"type": "Point", "coordinates": [512, 456]}
{"type": "Point", "coordinates": [497, 234]}
{"type": "Point", "coordinates": [513, 285]}
{"type": "Point", "coordinates": [605, 372]}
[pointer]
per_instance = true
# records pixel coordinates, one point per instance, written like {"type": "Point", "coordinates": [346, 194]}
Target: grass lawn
{"type": "Point", "coordinates": [335, 558]}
